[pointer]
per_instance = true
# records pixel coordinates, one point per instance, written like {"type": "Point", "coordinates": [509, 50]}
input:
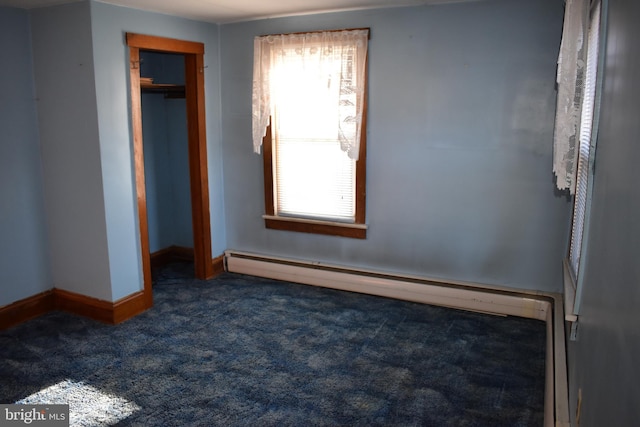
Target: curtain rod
{"type": "Point", "coordinates": [320, 31]}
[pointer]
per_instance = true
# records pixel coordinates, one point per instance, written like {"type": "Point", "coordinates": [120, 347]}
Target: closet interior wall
{"type": "Point", "coordinates": [166, 156]}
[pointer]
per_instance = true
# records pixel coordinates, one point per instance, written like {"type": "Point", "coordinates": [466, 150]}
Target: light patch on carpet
{"type": "Point", "coordinates": [88, 406]}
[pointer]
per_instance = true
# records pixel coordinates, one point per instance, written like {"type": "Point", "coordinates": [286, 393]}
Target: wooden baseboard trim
{"type": "Point", "coordinates": [58, 299]}
{"type": "Point", "coordinates": [26, 309]}
{"type": "Point", "coordinates": [93, 308]}
{"type": "Point", "coordinates": [171, 254]}
{"type": "Point", "coordinates": [83, 305]}
{"type": "Point", "coordinates": [218, 265]}
{"type": "Point", "coordinates": [130, 306]}
{"type": "Point", "coordinates": [103, 311]}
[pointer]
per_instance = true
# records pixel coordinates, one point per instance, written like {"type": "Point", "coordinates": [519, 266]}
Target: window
{"type": "Point", "coordinates": [586, 155]}
{"type": "Point", "coordinates": [576, 130]}
{"type": "Point", "coordinates": [309, 116]}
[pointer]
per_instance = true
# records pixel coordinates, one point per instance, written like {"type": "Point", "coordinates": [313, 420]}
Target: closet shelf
{"type": "Point", "coordinates": [170, 90]}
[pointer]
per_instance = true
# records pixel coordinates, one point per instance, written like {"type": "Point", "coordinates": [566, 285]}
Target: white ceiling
{"type": "Point", "coordinates": [224, 11]}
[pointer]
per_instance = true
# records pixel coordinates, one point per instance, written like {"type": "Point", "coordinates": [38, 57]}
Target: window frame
{"type": "Point", "coordinates": [585, 173]}
{"type": "Point", "coordinates": [356, 229]}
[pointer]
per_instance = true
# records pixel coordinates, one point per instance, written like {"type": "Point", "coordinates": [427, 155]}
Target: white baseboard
{"type": "Point", "coordinates": [460, 295]}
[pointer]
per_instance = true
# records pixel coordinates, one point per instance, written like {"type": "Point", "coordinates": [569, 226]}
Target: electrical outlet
{"type": "Point", "coordinates": [573, 336]}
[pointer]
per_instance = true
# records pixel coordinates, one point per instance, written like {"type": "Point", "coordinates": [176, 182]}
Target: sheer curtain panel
{"type": "Point", "coordinates": [291, 67]}
{"type": "Point", "coordinates": [570, 79]}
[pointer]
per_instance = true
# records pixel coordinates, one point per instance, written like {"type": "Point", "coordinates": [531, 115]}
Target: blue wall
{"type": "Point", "coordinates": [68, 126]}
{"type": "Point", "coordinates": [461, 112]}
{"type": "Point", "coordinates": [81, 72]}
{"type": "Point", "coordinates": [109, 25]}
{"type": "Point", "coordinates": [604, 360]}
{"type": "Point", "coordinates": [166, 154]}
{"type": "Point", "coordinates": [164, 128]}
{"type": "Point", "coordinates": [24, 260]}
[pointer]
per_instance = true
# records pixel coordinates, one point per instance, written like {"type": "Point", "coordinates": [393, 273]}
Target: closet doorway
{"type": "Point", "coordinates": [192, 55]}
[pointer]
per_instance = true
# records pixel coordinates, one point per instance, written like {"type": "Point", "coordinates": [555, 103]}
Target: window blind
{"type": "Point", "coordinates": [315, 179]}
{"type": "Point", "coordinates": [586, 145]}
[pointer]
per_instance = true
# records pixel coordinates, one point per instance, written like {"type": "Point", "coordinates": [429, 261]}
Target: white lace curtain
{"type": "Point", "coordinates": [282, 66]}
{"type": "Point", "coordinates": [570, 78]}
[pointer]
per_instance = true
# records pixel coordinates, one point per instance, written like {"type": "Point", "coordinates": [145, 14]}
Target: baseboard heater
{"type": "Point", "coordinates": [459, 295]}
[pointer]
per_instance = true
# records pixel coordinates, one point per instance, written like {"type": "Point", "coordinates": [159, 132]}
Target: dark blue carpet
{"type": "Point", "coordinates": [240, 350]}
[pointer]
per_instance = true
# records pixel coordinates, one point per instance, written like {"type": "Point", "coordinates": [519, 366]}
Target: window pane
{"type": "Point", "coordinates": [315, 178]}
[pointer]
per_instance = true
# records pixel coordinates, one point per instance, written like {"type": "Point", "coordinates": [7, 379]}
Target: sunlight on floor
{"type": "Point", "coordinates": [88, 406]}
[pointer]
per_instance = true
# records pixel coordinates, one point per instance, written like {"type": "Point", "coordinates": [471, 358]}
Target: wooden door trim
{"type": "Point", "coordinates": [196, 128]}
{"type": "Point", "coordinates": [163, 44]}
{"type": "Point", "coordinates": [196, 118]}
{"type": "Point", "coordinates": [138, 158]}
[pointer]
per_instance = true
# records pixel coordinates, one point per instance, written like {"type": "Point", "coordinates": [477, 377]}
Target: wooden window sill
{"type": "Point", "coordinates": [304, 225]}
